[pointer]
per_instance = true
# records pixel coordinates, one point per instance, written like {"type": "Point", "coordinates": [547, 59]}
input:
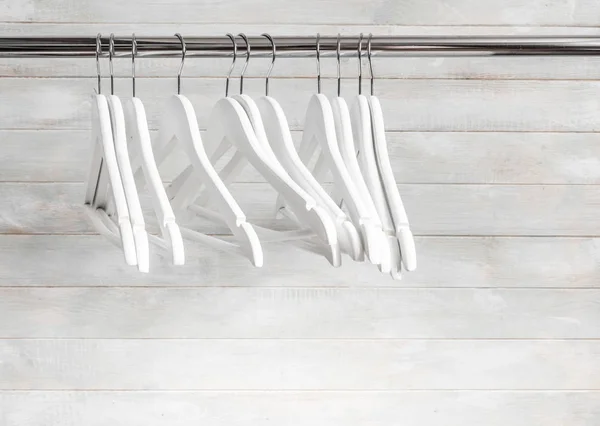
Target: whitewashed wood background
{"type": "Point", "coordinates": [499, 163]}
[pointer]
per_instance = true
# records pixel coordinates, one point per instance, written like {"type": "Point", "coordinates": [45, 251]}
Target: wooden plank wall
{"type": "Point", "coordinates": [499, 164]}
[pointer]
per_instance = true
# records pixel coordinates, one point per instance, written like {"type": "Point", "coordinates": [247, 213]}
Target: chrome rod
{"type": "Point", "coordinates": [302, 47]}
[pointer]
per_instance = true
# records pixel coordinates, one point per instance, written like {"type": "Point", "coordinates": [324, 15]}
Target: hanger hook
{"type": "Point", "coordinates": [243, 36]}
{"type": "Point", "coordinates": [272, 62]}
{"type": "Point", "coordinates": [360, 40]}
{"type": "Point", "coordinates": [318, 47]}
{"type": "Point", "coordinates": [111, 52]}
{"type": "Point", "coordinates": [339, 71]}
{"type": "Point", "coordinates": [98, 54]}
{"type": "Point", "coordinates": [183, 52]}
{"type": "Point", "coordinates": [133, 55]}
{"type": "Point", "coordinates": [232, 38]}
{"type": "Point", "coordinates": [370, 63]}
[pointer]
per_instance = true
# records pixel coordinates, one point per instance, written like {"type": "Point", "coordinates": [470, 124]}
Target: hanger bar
{"type": "Point", "coordinates": [303, 47]}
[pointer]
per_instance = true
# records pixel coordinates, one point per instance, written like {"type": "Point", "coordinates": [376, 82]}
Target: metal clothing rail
{"type": "Point", "coordinates": [302, 47]}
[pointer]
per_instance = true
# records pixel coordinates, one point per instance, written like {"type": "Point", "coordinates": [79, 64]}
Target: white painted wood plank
{"type": "Point", "coordinates": [32, 155]}
{"type": "Point", "coordinates": [400, 12]}
{"type": "Point", "coordinates": [46, 260]}
{"type": "Point", "coordinates": [416, 157]}
{"type": "Point", "coordinates": [530, 210]}
{"type": "Point", "coordinates": [298, 313]}
{"type": "Point", "coordinates": [425, 408]}
{"type": "Point", "coordinates": [495, 158]}
{"type": "Point", "coordinates": [482, 68]}
{"type": "Point", "coordinates": [417, 105]}
{"type": "Point", "coordinates": [218, 364]}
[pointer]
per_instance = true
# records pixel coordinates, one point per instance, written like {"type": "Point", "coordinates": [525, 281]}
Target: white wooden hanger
{"type": "Point", "coordinates": [236, 122]}
{"type": "Point", "coordinates": [397, 210]}
{"type": "Point", "coordinates": [361, 128]}
{"type": "Point", "coordinates": [368, 171]}
{"type": "Point", "coordinates": [104, 180]}
{"type": "Point", "coordinates": [319, 137]}
{"type": "Point", "coordinates": [136, 215]}
{"type": "Point", "coordinates": [392, 194]}
{"type": "Point", "coordinates": [281, 144]}
{"type": "Point", "coordinates": [141, 147]}
{"type": "Point", "coordinates": [179, 126]}
{"type": "Point", "coordinates": [343, 128]}
{"type": "Point", "coordinates": [363, 138]}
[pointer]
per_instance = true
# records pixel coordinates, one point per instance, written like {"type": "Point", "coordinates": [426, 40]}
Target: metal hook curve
{"type": "Point", "coordinates": [370, 63]}
{"type": "Point", "coordinates": [272, 62]}
{"type": "Point", "coordinates": [111, 52]}
{"type": "Point", "coordinates": [243, 36]}
{"type": "Point", "coordinates": [339, 70]}
{"type": "Point", "coordinates": [318, 47]}
{"type": "Point", "coordinates": [98, 54]}
{"type": "Point", "coordinates": [360, 40]}
{"type": "Point", "coordinates": [133, 55]}
{"type": "Point", "coordinates": [232, 38]}
{"type": "Point", "coordinates": [183, 52]}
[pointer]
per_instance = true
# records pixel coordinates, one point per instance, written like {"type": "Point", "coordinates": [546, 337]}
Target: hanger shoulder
{"type": "Point", "coordinates": [363, 137]}
{"type": "Point", "coordinates": [397, 210]}
{"type": "Point", "coordinates": [280, 140]}
{"type": "Point", "coordinates": [180, 122]}
{"type": "Point", "coordinates": [343, 125]}
{"type": "Point", "coordinates": [103, 135]}
{"type": "Point", "coordinates": [348, 151]}
{"type": "Point", "coordinates": [282, 145]}
{"type": "Point", "coordinates": [258, 124]}
{"type": "Point", "coordinates": [137, 130]}
{"type": "Point", "coordinates": [229, 120]}
{"type": "Point", "coordinates": [320, 126]}
{"type": "Point", "coordinates": [367, 162]}
{"type": "Point", "coordinates": [136, 215]}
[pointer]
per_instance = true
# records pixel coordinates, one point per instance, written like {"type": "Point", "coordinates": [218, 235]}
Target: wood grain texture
{"type": "Point", "coordinates": [294, 408]}
{"type": "Point", "coordinates": [298, 313]}
{"type": "Point", "coordinates": [403, 12]}
{"type": "Point", "coordinates": [47, 260]}
{"type": "Point", "coordinates": [416, 157]}
{"type": "Point", "coordinates": [408, 104]}
{"type": "Point", "coordinates": [497, 161]}
{"type": "Point", "coordinates": [218, 364]}
{"type": "Point", "coordinates": [536, 210]}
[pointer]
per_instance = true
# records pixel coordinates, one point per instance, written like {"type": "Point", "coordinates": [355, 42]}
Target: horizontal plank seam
{"type": "Point", "coordinates": [390, 131]}
{"type": "Point", "coordinates": [416, 234]}
{"type": "Point", "coordinates": [290, 390]}
{"type": "Point", "coordinates": [255, 182]}
{"type": "Point", "coordinates": [303, 339]}
{"type": "Point", "coordinates": [422, 236]}
{"type": "Point", "coordinates": [315, 24]}
{"type": "Point", "coordinates": [284, 391]}
{"type": "Point", "coordinates": [300, 77]}
{"type": "Point", "coordinates": [466, 184]}
{"type": "Point", "coordinates": [217, 77]}
{"type": "Point", "coordinates": [298, 129]}
{"type": "Point", "coordinates": [395, 287]}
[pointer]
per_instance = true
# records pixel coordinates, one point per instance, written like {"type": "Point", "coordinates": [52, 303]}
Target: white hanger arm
{"type": "Point", "coordinates": [229, 121]}
{"type": "Point", "coordinates": [179, 123]}
{"type": "Point", "coordinates": [139, 137]}
{"type": "Point", "coordinates": [397, 210]}
{"type": "Point", "coordinates": [363, 137]}
{"type": "Point", "coordinates": [320, 127]}
{"type": "Point", "coordinates": [105, 169]}
{"type": "Point", "coordinates": [131, 195]}
{"type": "Point", "coordinates": [282, 145]}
